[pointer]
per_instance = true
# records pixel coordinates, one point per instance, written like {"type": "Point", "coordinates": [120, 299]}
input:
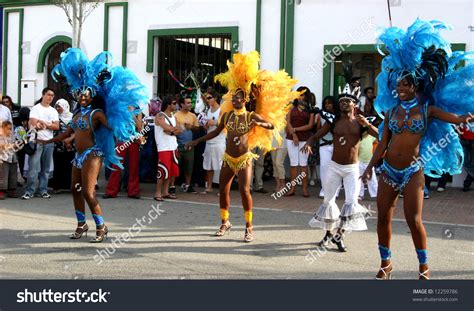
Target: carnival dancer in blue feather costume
{"type": "Point", "coordinates": [109, 98]}
{"type": "Point", "coordinates": [422, 96]}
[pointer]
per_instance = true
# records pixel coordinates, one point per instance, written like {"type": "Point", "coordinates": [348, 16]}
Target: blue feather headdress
{"type": "Point", "coordinates": [124, 95]}
{"type": "Point", "coordinates": [421, 52]}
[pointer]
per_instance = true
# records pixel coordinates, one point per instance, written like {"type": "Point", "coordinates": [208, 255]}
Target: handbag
{"type": "Point", "coordinates": [30, 146]}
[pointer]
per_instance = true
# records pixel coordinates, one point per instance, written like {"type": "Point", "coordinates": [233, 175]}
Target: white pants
{"type": "Point", "coordinates": [325, 154]}
{"type": "Point", "coordinates": [297, 158]}
{"type": "Point", "coordinates": [352, 215]}
{"type": "Point", "coordinates": [278, 158]}
{"type": "Point", "coordinates": [371, 184]}
{"type": "Point", "coordinates": [213, 154]}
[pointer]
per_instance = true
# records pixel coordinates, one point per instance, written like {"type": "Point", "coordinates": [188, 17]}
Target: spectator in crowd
{"type": "Point", "coordinates": [467, 141]}
{"type": "Point", "coordinates": [5, 114]}
{"type": "Point", "coordinates": [365, 155]}
{"type": "Point", "coordinates": [300, 122]}
{"type": "Point", "coordinates": [14, 109]}
{"type": "Point", "coordinates": [45, 119]}
{"type": "Point", "coordinates": [63, 151]}
{"type": "Point", "coordinates": [442, 181]}
{"type": "Point", "coordinates": [188, 123]}
{"type": "Point", "coordinates": [8, 162]}
{"type": "Point", "coordinates": [326, 142]}
{"type": "Point", "coordinates": [21, 135]}
{"type": "Point", "coordinates": [215, 147]}
{"type": "Point", "coordinates": [278, 158]}
{"type": "Point", "coordinates": [367, 108]}
{"type": "Point", "coordinates": [131, 150]}
{"type": "Point", "coordinates": [199, 173]}
{"type": "Point", "coordinates": [166, 130]}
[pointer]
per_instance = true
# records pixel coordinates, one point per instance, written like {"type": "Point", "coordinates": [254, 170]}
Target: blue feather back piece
{"type": "Point", "coordinates": [451, 89]}
{"type": "Point", "coordinates": [123, 93]}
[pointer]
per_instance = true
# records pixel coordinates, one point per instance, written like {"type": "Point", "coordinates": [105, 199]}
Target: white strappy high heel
{"type": "Point", "coordinates": [422, 275]}
{"type": "Point", "coordinates": [386, 275]}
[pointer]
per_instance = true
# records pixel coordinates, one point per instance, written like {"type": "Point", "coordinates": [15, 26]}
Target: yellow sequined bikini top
{"type": "Point", "coordinates": [236, 125]}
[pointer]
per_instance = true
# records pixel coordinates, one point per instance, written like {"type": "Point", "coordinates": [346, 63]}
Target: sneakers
{"type": "Point", "coordinates": [440, 189]}
{"type": "Point", "coordinates": [190, 189]}
{"type": "Point", "coordinates": [261, 190]}
{"type": "Point", "coordinates": [26, 196]}
{"type": "Point", "coordinates": [45, 195]}
{"type": "Point", "coordinates": [172, 190]}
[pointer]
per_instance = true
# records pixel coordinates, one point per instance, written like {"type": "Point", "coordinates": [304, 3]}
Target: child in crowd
{"type": "Point", "coordinates": [8, 162]}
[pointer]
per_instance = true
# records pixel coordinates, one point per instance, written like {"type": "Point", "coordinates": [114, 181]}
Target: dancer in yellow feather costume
{"type": "Point", "coordinates": [253, 112]}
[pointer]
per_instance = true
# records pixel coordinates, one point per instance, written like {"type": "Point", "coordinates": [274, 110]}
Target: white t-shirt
{"type": "Point", "coordinates": [47, 115]}
{"type": "Point", "coordinates": [219, 139]}
{"type": "Point", "coordinates": [165, 142]}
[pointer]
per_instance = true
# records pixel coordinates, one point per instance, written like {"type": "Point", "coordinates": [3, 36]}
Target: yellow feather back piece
{"type": "Point", "coordinates": [274, 98]}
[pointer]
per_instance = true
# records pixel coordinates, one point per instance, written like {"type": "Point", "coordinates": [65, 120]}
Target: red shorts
{"type": "Point", "coordinates": [167, 164]}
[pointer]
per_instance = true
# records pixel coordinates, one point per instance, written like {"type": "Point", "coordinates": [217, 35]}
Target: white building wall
{"type": "Point", "coordinates": [12, 52]}
{"type": "Point", "coordinates": [116, 15]}
{"type": "Point", "coordinates": [270, 35]}
{"type": "Point", "coordinates": [42, 23]}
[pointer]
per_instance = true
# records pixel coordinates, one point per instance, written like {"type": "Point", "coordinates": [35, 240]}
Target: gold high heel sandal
{"type": "Point", "coordinates": [248, 237]}
{"type": "Point", "coordinates": [223, 229]}
{"type": "Point", "coordinates": [80, 230]}
{"type": "Point", "coordinates": [100, 237]}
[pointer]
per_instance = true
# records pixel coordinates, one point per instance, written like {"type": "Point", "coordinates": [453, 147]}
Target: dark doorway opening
{"type": "Point", "coordinates": [61, 89]}
{"type": "Point", "coordinates": [203, 55]}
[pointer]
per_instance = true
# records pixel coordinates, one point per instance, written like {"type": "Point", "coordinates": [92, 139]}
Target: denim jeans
{"type": "Point", "coordinates": [40, 162]}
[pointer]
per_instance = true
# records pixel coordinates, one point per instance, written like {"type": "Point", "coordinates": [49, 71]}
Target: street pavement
{"type": "Point", "coordinates": [175, 240]}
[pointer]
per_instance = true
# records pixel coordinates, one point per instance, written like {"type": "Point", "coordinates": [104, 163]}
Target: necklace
{"type": "Point", "coordinates": [407, 105]}
{"type": "Point", "coordinates": [239, 112]}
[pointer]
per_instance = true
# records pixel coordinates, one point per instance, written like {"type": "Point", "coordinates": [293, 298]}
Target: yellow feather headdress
{"type": "Point", "coordinates": [273, 100]}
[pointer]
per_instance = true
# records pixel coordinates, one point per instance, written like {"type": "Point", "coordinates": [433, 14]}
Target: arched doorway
{"type": "Point", "coordinates": [60, 88]}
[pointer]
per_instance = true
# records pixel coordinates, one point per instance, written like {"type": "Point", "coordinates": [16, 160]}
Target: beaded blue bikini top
{"type": "Point", "coordinates": [80, 123]}
{"type": "Point", "coordinates": [417, 125]}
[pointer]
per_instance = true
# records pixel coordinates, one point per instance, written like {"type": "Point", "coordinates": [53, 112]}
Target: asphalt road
{"type": "Point", "coordinates": [175, 241]}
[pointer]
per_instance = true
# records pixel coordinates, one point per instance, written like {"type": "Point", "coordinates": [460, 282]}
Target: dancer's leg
{"type": "Point", "coordinates": [79, 206]}
{"type": "Point", "coordinates": [245, 177]}
{"type": "Point", "coordinates": [225, 181]}
{"type": "Point", "coordinates": [413, 207]}
{"type": "Point", "coordinates": [90, 172]}
{"type": "Point", "coordinates": [386, 201]}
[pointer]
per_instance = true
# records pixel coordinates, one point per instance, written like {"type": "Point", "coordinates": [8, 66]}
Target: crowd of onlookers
{"type": "Point", "coordinates": [40, 167]}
